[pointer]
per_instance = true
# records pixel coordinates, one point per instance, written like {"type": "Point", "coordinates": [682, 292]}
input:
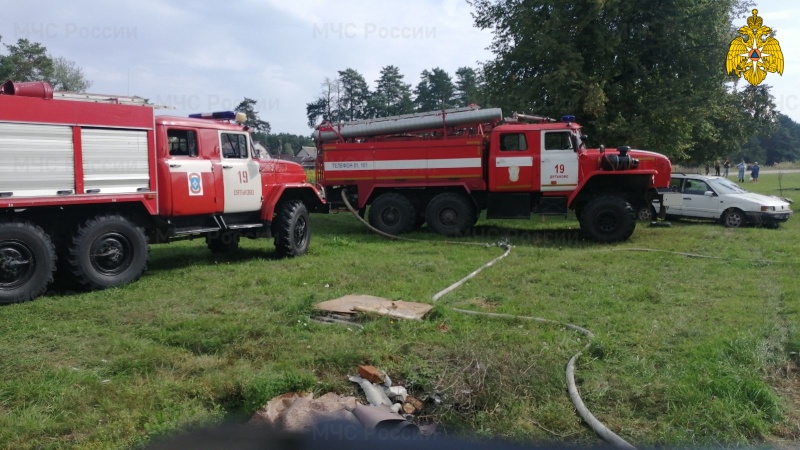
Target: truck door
{"type": "Point", "coordinates": [512, 165]}
{"type": "Point", "coordinates": [191, 180]}
{"type": "Point", "coordinates": [240, 175]}
{"type": "Point", "coordinates": [559, 167]}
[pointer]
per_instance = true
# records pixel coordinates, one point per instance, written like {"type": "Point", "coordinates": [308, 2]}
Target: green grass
{"type": "Point", "coordinates": [688, 351]}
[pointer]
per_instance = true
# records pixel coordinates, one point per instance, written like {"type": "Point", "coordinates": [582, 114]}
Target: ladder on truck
{"type": "Point", "coordinates": [442, 123]}
{"type": "Point", "coordinates": [104, 98]}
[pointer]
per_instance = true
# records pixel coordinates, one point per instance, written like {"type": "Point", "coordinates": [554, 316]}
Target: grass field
{"type": "Point", "coordinates": [688, 351]}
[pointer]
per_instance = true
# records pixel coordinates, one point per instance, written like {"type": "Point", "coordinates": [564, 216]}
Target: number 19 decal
{"type": "Point", "coordinates": [243, 177]}
{"type": "Point", "coordinates": [560, 168]}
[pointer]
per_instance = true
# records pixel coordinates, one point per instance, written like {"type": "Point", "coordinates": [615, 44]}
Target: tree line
{"type": "Point", "coordinates": [348, 97]}
{"type": "Point", "coordinates": [276, 144]}
{"type": "Point", "coordinates": [29, 61]}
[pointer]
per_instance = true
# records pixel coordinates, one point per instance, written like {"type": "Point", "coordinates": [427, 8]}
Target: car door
{"type": "Point", "coordinates": [673, 199]}
{"type": "Point", "coordinates": [699, 200]}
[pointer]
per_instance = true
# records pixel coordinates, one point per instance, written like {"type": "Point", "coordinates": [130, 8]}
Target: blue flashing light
{"type": "Point", "coordinates": [568, 119]}
{"type": "Point", "coordinates": [219, 115]}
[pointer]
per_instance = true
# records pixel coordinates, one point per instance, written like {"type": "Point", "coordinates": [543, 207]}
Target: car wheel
{"type": "Point", "coordinates": [733, 218]}
{"type": "Point", "coordinates": [646, 213]}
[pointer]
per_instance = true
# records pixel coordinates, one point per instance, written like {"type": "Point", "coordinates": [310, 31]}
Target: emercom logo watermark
{"type": "Point", "coordinates": [332, 30]}
{"type": "Point", "coordinates": [211, 102]}
{"type": "Point", "coordinates": [69, 30]}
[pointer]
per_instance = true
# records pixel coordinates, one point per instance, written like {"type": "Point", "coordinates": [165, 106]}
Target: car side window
{"type": "Point", "coordinates": [675, 184]}
{"type": "Point", "coordinates": [695, 187]}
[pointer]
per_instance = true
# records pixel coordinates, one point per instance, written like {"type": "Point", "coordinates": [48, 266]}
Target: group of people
{"type": "Point", "coordinates": [742, 166]}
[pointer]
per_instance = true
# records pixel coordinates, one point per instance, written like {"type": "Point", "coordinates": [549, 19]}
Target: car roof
{"type": "Point", "coordinates": [701, 177]}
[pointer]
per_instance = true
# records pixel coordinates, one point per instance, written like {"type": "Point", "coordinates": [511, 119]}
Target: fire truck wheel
{"type": "Point", "coordinates": [222, 242]}
{"type": "Point", "coordinates": [608, 218]}
{"type": "Point", "coordinates": [27, 262]}
{"type": "Point", "coordinates": [392, 213]}
{"type": "Point", "coordinates": [108, 251]}
{"type": "Point", "coordinates": [291, 229]}
{"type": "Point", "coordinates": [450, 214]}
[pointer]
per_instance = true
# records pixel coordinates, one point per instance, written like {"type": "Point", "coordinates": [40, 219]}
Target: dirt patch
{"type": "Point", "coordinates": [786, 382]}
{"type": "Point", "coordinates": [483, 303]}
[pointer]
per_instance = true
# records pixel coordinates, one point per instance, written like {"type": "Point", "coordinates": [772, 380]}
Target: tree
{"type": "Point", "coordinates": [286, 143]}
{"type": "Point", "coordinates": [649, 77]}
{"type": "Point", "coordinates": [354, 95]}
{"type": "Point", "coordinates": [392, 96]}
{"type": "Point", "coordinates": [783, 144]}
{"type": "Point", "coordinates": [67, 76]}
{"type": "Point", "coordinates": [435, 91]}
{"type": "Point", "coordinates": [328, 105]}
{"type": "Point", "coordinates": [26, 61]}
{"type": "Point", "coordinates": [29, 61]}
{"type": "Point", "coordinates": [467, 87]}
{"type": "Point", "coordinates": [259, 127]}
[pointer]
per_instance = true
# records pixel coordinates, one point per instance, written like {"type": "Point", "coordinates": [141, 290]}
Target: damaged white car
{"type": "Point", "coordinates": [717, 198]}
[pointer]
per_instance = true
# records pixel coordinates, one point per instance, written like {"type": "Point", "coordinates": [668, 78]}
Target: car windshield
{"type": "Point", "coordinates": [723, 186]}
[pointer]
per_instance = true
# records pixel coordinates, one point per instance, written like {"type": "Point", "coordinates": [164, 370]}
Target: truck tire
{"type": "Point", "coordinates": [291, 229]}
{"type": "Point", "coordinates": [450, 214]}
{"type": "Point", "coordinates": [27, 262]}
{"type": "Point", "coordinates": [608, 218]}
{"type": "Point", "coordinates": [392, 213]}
{"type": "Point", "coordinates": [222, 242]}
{"type": "Point", "coordinates": [108, 251]}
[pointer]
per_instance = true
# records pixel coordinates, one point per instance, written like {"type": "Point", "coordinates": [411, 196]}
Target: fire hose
{"type": "Point", "coordinates": [601, 430]}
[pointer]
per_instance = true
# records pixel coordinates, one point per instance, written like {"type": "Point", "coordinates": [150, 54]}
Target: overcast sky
{"type": "Point", "coordinates": [207, 56]}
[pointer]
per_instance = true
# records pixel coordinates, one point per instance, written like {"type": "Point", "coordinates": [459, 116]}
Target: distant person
{"type": "Point", "coordinates": [754, 172]}
{"type": "Point", "coordinates": [707, 168]}
{"type": "Point", "coordinates": [716, 167]}
{"type": "Point", "coordinates": [726, 166]}
{"type": "Point", "coordinates": [742, 166]}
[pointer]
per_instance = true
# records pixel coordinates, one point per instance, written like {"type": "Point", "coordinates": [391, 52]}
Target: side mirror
{"type": "Point", "coordinates": [709, 194]}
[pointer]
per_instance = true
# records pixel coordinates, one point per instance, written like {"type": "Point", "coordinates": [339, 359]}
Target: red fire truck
{"type": "Point", "coordinates": [89, 180]}
{"type": "Point", "coordinates": [446, 167]}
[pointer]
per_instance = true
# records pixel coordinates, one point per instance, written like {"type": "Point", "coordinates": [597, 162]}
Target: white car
{"type": "Point", "coordinates": [717, 198]}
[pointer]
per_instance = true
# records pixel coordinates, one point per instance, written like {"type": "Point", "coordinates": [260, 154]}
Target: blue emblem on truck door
{"type": "Point", "coordinates": [195, 184]}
